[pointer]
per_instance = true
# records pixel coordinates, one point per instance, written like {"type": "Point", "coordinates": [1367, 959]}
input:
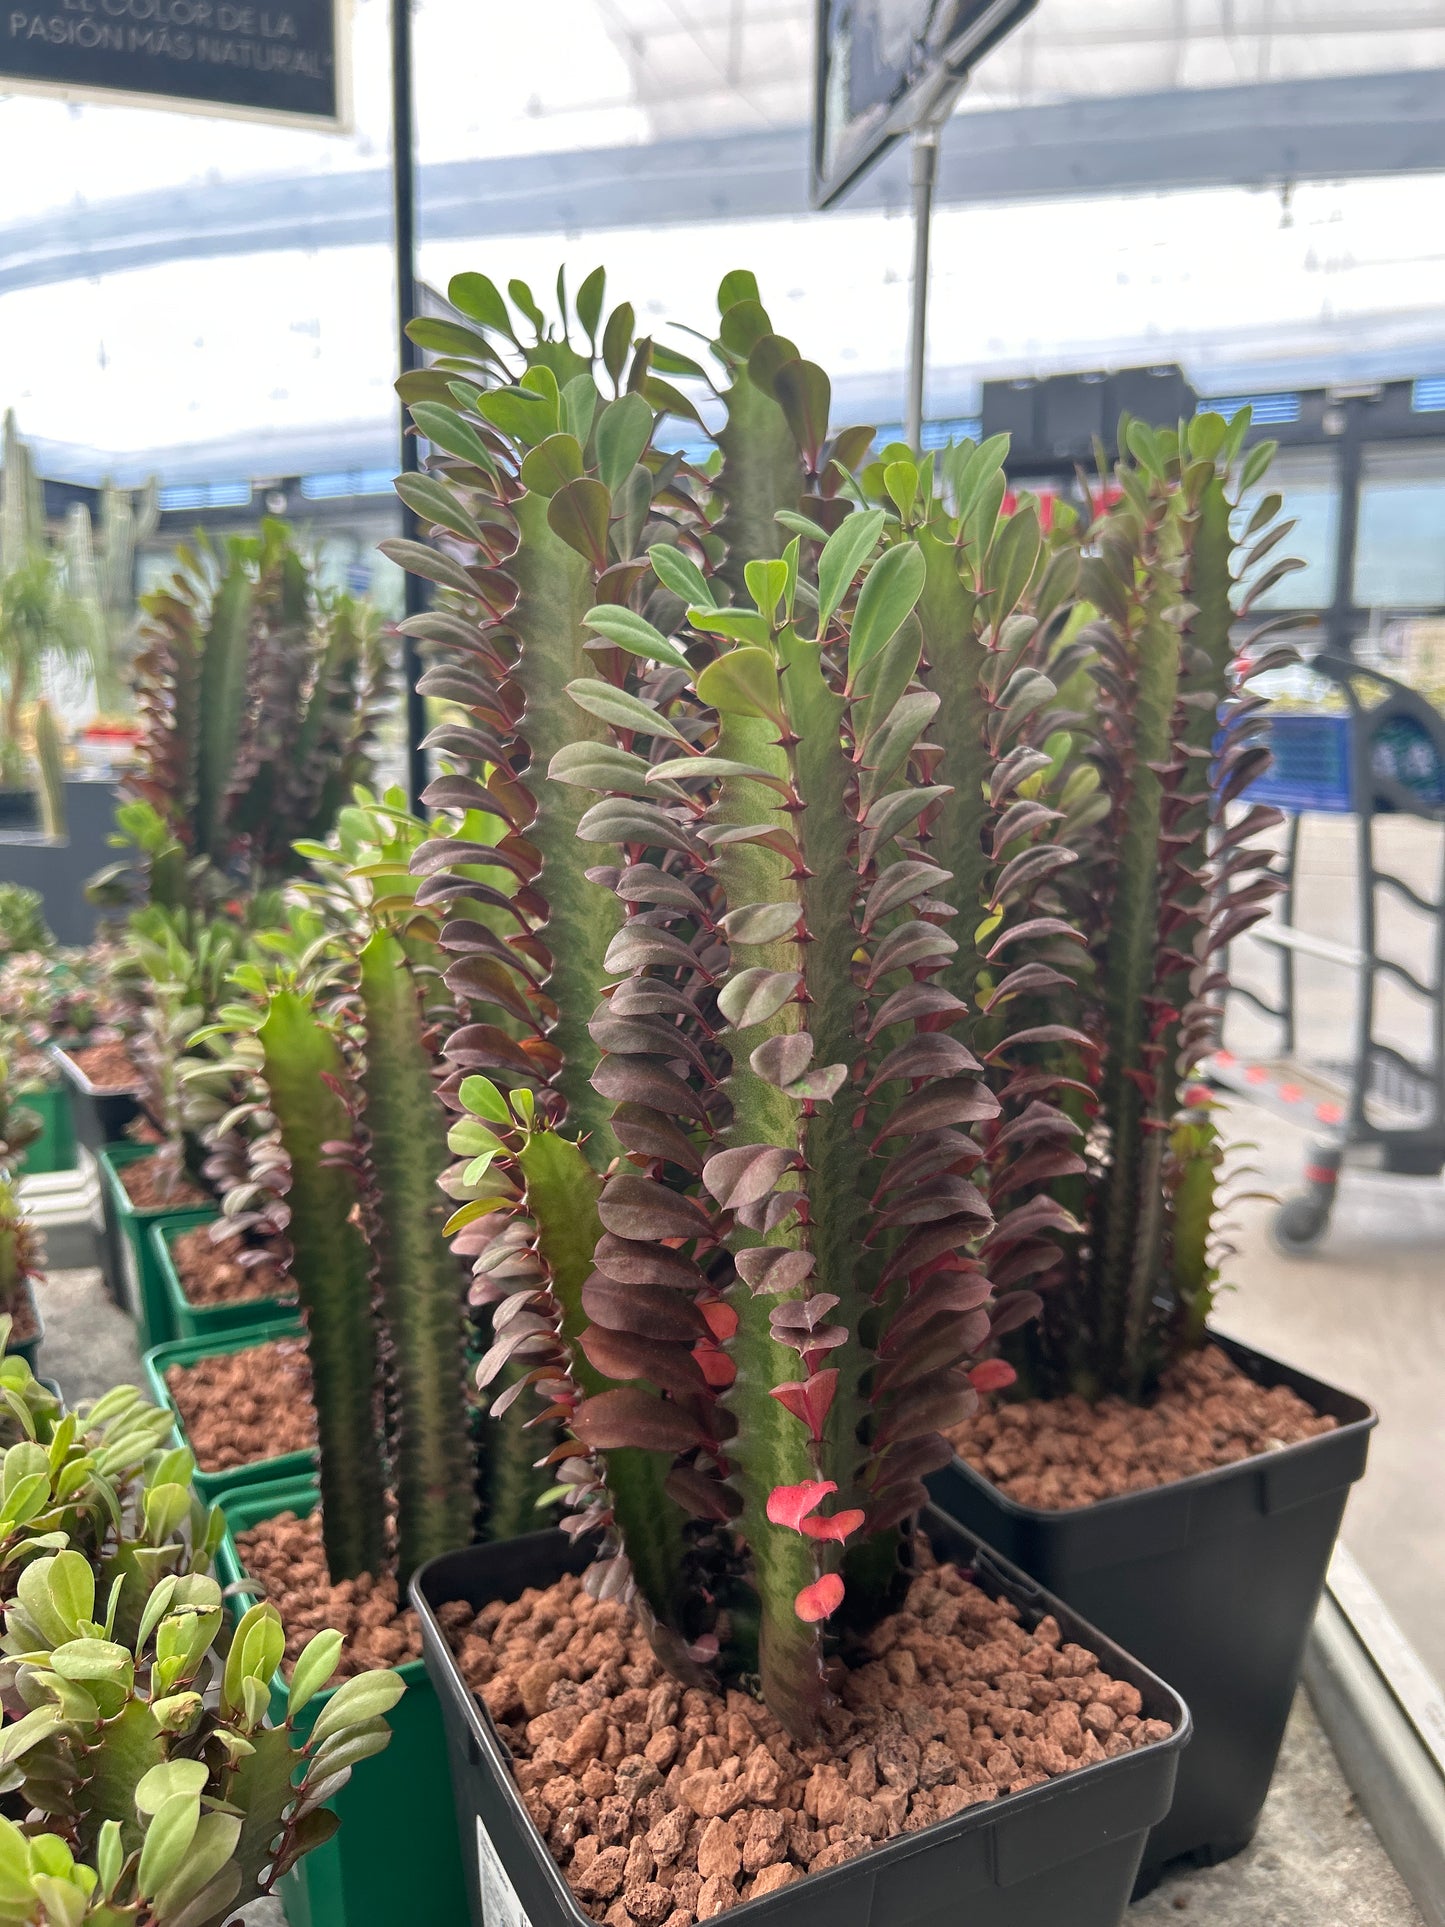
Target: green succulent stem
{"type": "Point", "coordinates": [419, 1278]}
{"type": "Point", "coordinates": [1130, 1256]}
{"type": "Point", "coordinates": [333, 1278]}
{"type": "Point", "coordinates": [771, 1447]}
{"type": "Point", "coordinates": [556, 592]}
{"type": "Point", "coordinates": [561, 1190]}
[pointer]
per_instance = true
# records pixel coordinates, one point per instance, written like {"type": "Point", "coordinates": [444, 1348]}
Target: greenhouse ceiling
{"type": "Point", "coordinates": [1217, 180]}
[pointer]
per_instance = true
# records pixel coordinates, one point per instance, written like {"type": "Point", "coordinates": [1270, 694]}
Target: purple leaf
{"type": "Point", "coordinates": [630, 1416]}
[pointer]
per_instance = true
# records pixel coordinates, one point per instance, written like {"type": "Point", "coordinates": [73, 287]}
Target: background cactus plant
{"type": "Point", "coordinates": [735, 1235]}
{"type": "Point", "coordinates": [1169, 871]}
{"type": "Point", "coordinates": [257, 697]}
{"type": "Point", "coordinates": [332, 1154]}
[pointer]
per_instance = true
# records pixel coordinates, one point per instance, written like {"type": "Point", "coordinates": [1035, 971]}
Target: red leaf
{"type": "Point", "coordinates": [836, 1528]}
{"type": "Point", "coordinates": [721, 1318]}
{"type": "Point", "coordinates": [717, 1368]}
{"type": "Point", "coordinates": [993, 1375]}
{"type": "Point", "coordinates": [808, 1399]}
{"type": "Point", "coordinates": [789, 1505]}
{"type": "Point", "coordinates": [820, 1600]}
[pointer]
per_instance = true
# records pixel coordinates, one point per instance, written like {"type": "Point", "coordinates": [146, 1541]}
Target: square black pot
{"type": "Point", "coordinates": [1064, 1854]}
{"type": "Point", "coordinates": [100, 1117]}
{"type": "Point", "coordinates": [1213, 1583]}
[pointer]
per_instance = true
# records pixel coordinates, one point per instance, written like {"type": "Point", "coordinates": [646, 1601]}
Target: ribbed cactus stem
{"type": "Point", "coordinates": [420, 1279]}
{"type": "Point", "coordinates": [50, 761]}
{"type": "Point", "coordinates": [303, 1068]}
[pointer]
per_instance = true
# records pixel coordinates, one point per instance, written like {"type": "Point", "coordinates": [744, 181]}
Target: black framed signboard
{"type": "Point", "coordinates": [280, 60]}
{"type": "Point", "coordinates": [876, 61]}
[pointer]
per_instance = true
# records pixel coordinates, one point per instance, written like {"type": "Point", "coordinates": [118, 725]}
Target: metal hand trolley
{"type": "Point", "coordinates": [1382, 1107]}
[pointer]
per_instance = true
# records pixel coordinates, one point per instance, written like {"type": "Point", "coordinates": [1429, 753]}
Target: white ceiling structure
{"type": "Point", "coordinates": [1254, 187]}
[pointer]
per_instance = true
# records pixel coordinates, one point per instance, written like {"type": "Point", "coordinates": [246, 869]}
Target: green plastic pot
{"type": "Point", "coordinates": [54, 1149]}
{"type": "Point", "coordinates": [205, 1321]}
{"type": "Point", "coordinates": [397, 1855]}
{"type": "Point", "coordinates": [188, 1351]}
{"type": "Point", "coordinates": [143, 1291]}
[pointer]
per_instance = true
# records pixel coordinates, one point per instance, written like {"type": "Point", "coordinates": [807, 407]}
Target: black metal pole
{"type": "Point", "coordinates": [403, 176]}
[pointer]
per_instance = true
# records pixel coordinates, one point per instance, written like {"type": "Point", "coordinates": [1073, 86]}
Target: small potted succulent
{"type": "Point", "coordinates": [720, 1176]}
{"type": "Point", "coordinates": [156, 1181]}
{"type": "Point", "coordinates": [22, 1267]}
{"type": "Point", "coordinates": [331, 1157]}
{"type": "Point", "coordinates": [29, 965]}
{"type": "Point", "coordinates": [141, 1778]}
{"type": "Point", "coordinates": [90, 1013]}
{"type": "Point", "coordinates": [1181, 1491]}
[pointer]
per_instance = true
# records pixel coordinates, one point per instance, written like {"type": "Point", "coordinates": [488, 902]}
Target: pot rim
{"type": "Point", "coordinates": [1365, 1420]}
{"type": "Point", "coordinates": [78, 1077]}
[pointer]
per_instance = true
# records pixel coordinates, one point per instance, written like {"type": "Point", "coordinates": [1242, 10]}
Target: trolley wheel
{"type": "Point", "coordinates": [1300, 1223]}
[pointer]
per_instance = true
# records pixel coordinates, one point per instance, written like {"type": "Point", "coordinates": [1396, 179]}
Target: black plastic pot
{"type": "Point", "coordinates": [19, 809]}
{"type": "Point", "coordinates": [1064, 1854]}
{"type": "Point", "coordinates": [100, 1116]}
{"type": "Point", "coordinates": [1213, 1583]}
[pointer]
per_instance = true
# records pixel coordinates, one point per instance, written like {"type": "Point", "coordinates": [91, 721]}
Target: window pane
{"type": "Point", "coordinates": [1400, 552]}
{"type": "Point", "coordinates": [1306, 477]}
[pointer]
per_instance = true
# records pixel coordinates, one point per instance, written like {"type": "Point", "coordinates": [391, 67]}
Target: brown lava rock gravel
{"type": "Point", "coordinates": [240, 1407]}
{"type": "Point", "coordinates": [285, 1556]}
{"type": "Point", "coordinates": [210, 1274]}
{"type": "Point", "coordinates": [109, 1067]}
{"type": "Point", "coordinates": [144, 1183]}
{"type": "Point", "coordinates": [1055, 1454]}
{"type": "Point", "coordinates": [666, 1805]}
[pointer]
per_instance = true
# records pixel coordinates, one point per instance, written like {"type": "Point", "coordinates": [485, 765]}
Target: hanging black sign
{"type": "Point", "coordinates": [272, 60]}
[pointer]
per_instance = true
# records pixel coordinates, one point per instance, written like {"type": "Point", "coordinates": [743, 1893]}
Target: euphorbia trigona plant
{"type": "Point", "coordinates": [722, 1153]}
{"type": "Point", "coordinates": [1170, 870]}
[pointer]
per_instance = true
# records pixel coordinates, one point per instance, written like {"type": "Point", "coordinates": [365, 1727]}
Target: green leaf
{"type": "Point", "coordinates": [740, 625]}
{"type": "Point", "coordinates": [1206, 436]}
{"type": "Point", "coordinates": [316, 1663]}
{"type": "Point", "coordinates": [367, 1697]}
{"type": "Point", "coordinates": [801, 525]}
{"type": "Point", "coordinates": [440, 337]}
{"type": "Point", "coordinates": [521, 413]}
{"type": "Point", "coordinates": [1256, 463]}
{"type": "Point", "coordinates": [888, 597]}
{"type": "Point", "coordinates": [433, 502]}
{"type": "Point", "coordinates": [579, 514]}
{"type": "Point", "coordinates": [901, 481]}
{"type": "Point", "coordinates": [477, 297]}
{"type": "Point", "coordinates": [579, 407]}
{"type": "Point", "coordinates": [445, 429]}
{"type": "Point", "coordinates": [623, 431]}
{"type": "Point", "coordinates": [164, 1782]}
{"type": "Point", "coordinates": [635, 633]}
{"type": "Point", "coordinates": [482, 1098]}
{"type": "Point", "coordinates": [525, 301]}
{"type": "Point", "coordinates": [167, 1841]}
{"type": "Point", "coordinates": [589, 303]}
{"type": "Point", "coordinates": [621, 710]}
{"type": "Point", "coordinates": [767, 585]}
{"type": "Point", "coordinates": [843, 555]}
{"type": "Point", "coordinates": [601, 767]}
{"type": "Point", "coordinates": [552, 464]}
{"type": "Point", "coordinates": [680, 573]}
{"type": "Point", "coordinates": [744, 682]}
{"type": "Point", "coordinates": [805, 395]}
{"type": "Point", "coordinates": [617, 340]}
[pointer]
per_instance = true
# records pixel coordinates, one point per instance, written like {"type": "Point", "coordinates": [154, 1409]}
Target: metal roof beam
{"type": "Point", "coordinates": [1332, 128]}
